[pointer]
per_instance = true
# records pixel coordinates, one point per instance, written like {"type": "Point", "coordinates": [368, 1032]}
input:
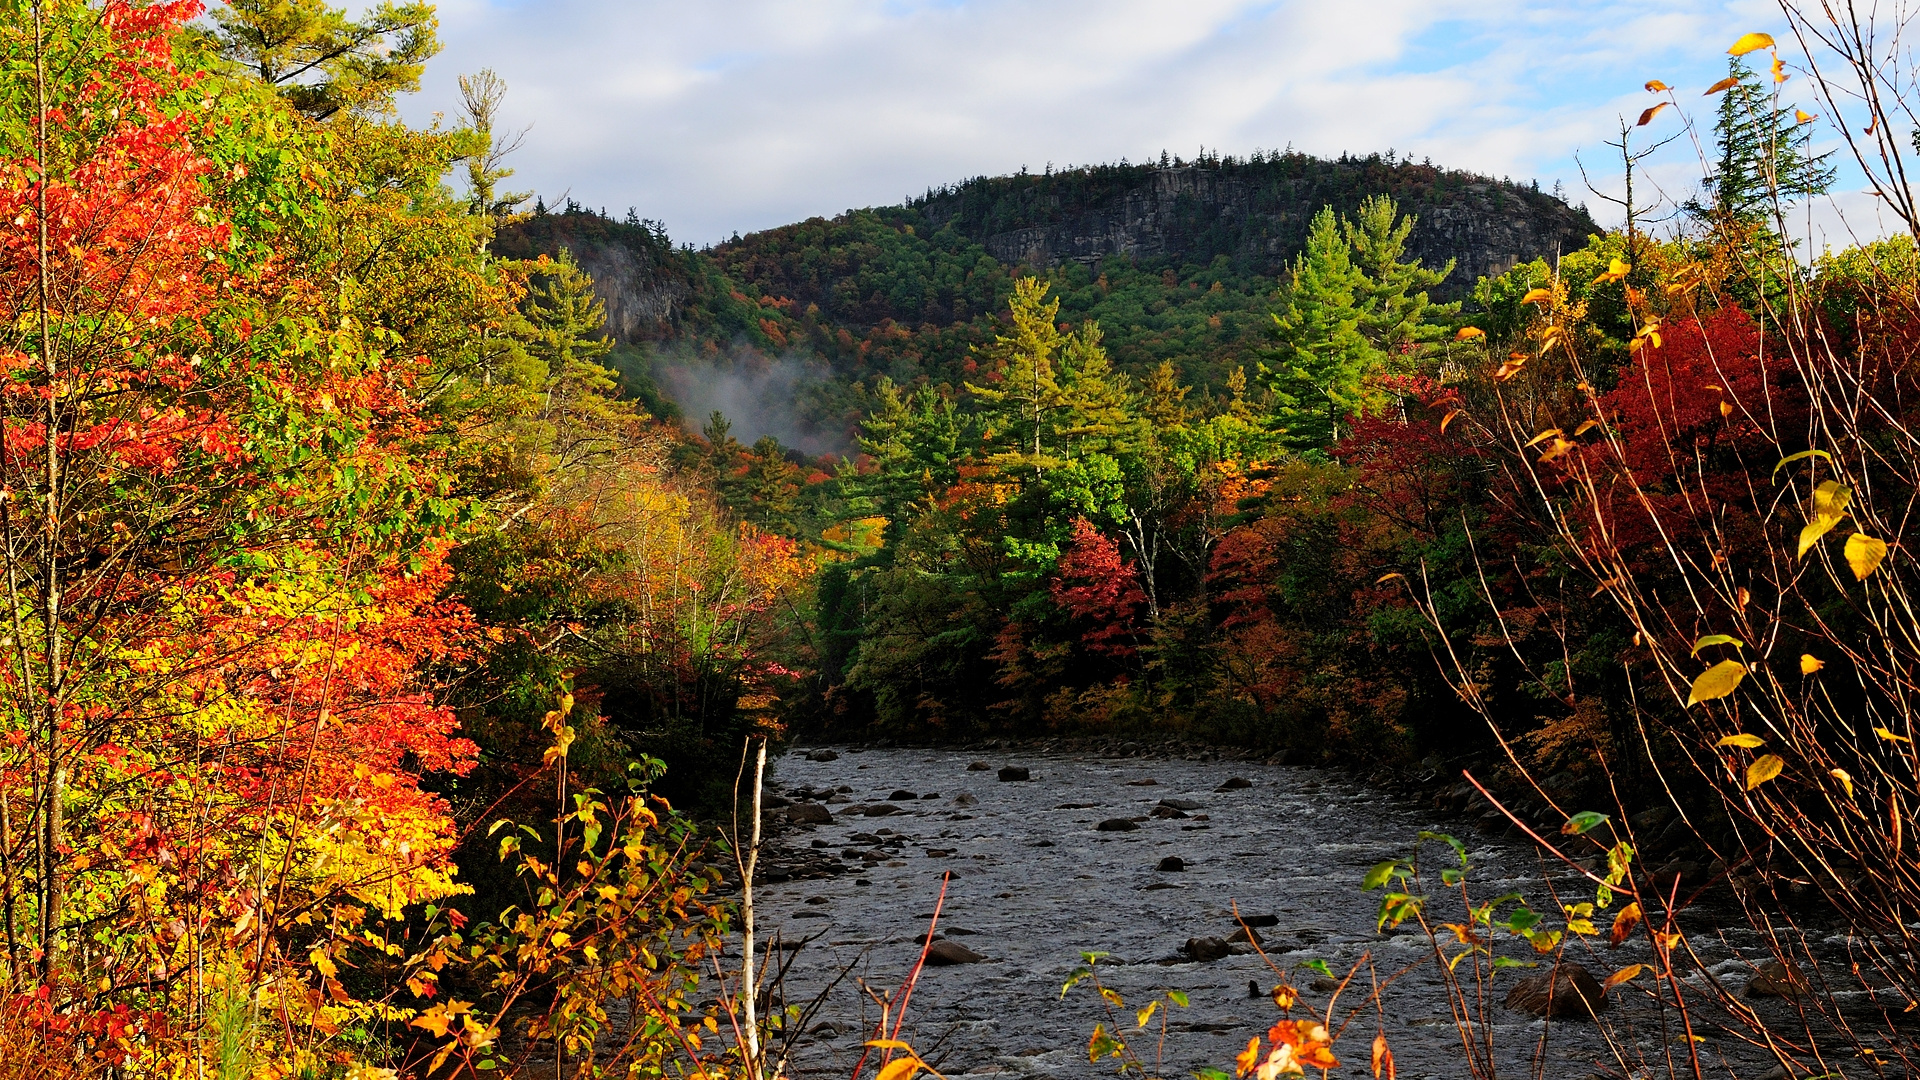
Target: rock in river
{"type": "Point", "coordinates": [1014, 772]}
{"type": "Point", "coordinates": [809, 813]}
{"type": "Point", "coordinates": [1118, 824]}
{"type": "Point", "coordinates": [944, 953]}
{"type": "Point", "coordinates": [902, 795]}
{"type": "Point", "coordinates": [1568, 990]}
{"type": "Point", "coordinates": [822, 755]}
{"type": "Point", "coordinates": [1775, 979]}
{"type": "Point", "coordinates": [1205, 948]}
{"type": "Point", "coordinates": [1235, 784]}
{"type": "Point", "coordinates": [1171, 864]}
{"type": "Point", "coordinates": [979, 766]}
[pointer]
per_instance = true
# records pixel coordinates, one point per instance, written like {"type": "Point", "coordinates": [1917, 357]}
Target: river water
{"type": "Point", "coordinates": [1035, 884]}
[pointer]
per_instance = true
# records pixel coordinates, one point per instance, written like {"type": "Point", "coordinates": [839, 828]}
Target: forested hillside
{"type": "Point", "coordinates": [1181, 261]}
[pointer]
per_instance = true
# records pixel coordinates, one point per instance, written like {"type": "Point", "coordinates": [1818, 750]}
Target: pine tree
{"type": "Point", "coordinates": [1396, 318]}
{"type": "Point", "coordinates": [1317, 368]}
{"type": "Point", "coordinates": [480, 97]}
{"type": "Point", "coordinates": [324, 62]}
{"type": "Point", "coordinates": [1162, 399]}
{"type": "Point", "coordinates": [1761, 152]}
{"type": "Point", "coordinates": [1028, 393]}
{"type": "Point", "coordinates": [1095, 401]}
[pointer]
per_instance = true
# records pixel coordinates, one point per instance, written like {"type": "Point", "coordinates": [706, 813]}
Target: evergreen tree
{"type": "Point", "coordinates": [1316, 370]}
{"type": "Point", "coordinates": [1096, 415]}
{"type": "Point", "coordinates": [1761, 152]}
{"type": "Point", "coordinates": [1396, 318]}
{"type": "Point", "coordinates": [321, 60]}
{"type": "Point", "coordinates": [1028, 392]}
{"type": "Point", "coordinates": [480, 96]}
{"type": "Point", "coordinates": [1162, 399]}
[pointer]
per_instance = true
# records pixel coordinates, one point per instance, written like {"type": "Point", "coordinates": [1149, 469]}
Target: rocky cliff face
{"type": "Point", "coordinates": [1254, 213]}
{"type": "Point", "coordinates": [636, 273]}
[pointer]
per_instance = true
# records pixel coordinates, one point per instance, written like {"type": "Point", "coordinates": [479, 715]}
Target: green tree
{"type": "Point", "coordinates": [1318, 367]}
{"type": "Point", "coordinates": [480, 98]}
{"type": "Point", "coordinates": [321, 60]}
{"type": "Point", "coordinates": [1763, 156]}
{"type": "Point", "coordinates": [1028, 391]}
{"type": "Point", "coordinates": [1396, 318]}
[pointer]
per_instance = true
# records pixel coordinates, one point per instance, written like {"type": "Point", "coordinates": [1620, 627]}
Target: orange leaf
{"type": "Point", "coordinates": [1810, 664]}
{"type": "Point", "coordinates": [1721, 85]}
{"type": "Point", "coordinates": [1779, 71]}
{"type": "Point", "coordinates": [1467, 333]}
{"type": "Point", "coordinates": [1801, 116]}
{"type": "Point", "coordinates": [1625, 974]}
{"type": "Point", "coordinates": [1249, 1059]}
{"type": "Point", "coordinates": [1448, 419]}
{"type": "Point", "coordinates": [1647, 116]}
{"type": "Point", "coordinates": [1382, 1058]}
{"type": "Point", "coordinates": [1624, 923]}
{"type": "Point", "coordinates": [1726, 410]}
{"type": "Point", "coordinates": [1655, 86]}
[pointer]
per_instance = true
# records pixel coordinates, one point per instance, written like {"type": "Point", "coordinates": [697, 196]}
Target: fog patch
{"type": "Point", "coordinates": [759, 396]}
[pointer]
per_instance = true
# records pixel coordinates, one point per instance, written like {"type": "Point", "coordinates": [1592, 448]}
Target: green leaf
{"type": "Point", "coordinates": [1459, 848]}
{"type": "Point", "coordinates": [1716, 639]}
{"type": "Point", "coordinates": [1379, 875]}
{"type": "Point", "coordinates": [1523, 920]}
{"type": "Point", "coordinates": [1178, 997]}
{"type": "Point", "coordinates": [1318, 967]}
{"type": "Point", "coordinates": [1801, 456]}
{"type": "Point", "coordinates": [1451, 876]}
{"type": "Point", "coordinates": [1583, 822]}
{"type": "Point", "coordinates": [1510, 962]}
{"type": "Point", "coordinates": [1717, 681]}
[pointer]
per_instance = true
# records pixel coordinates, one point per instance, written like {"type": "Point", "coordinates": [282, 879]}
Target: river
{"type": "Point", "coordinates": [1035, 883]}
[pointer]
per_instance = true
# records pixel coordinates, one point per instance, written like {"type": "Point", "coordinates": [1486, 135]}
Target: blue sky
{"type": "Point", "coordinates": [718, 116]}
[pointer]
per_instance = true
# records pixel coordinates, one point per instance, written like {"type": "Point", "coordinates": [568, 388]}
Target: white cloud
{"type": "Point", "coordinates": [724, 116]}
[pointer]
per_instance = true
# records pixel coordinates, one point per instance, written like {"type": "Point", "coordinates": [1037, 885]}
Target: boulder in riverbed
{"type": "Point", "coordinates": [1118, 824]}
{"type": "Point", "coordinates": [1566, 990]}
{"type": "Point", "coordinates": [902, 795]}
{"type": "Point", "coordinates": [1205, 949]}
{"type": "Point", "coordinates": [809, 813]}
{"type": "Point", "coordinates": [1172, 864]}
{"type": "Point", "coordinates": [822, 755]}
{"type": "Point", "coordinates": [1235, 783]}
{"type": "Point", "coordinates": [1014, 772]}
{"type": "Point", "coordinates": [944, 953]}
{"type": "Point", "coordinates": [1180, 804]}
{"type": "Point", "coordinates": [1166, 812]}
{"type": "Point", "coordinates": [1246, 935]}
{"type": "Point", "coordinates": [1775, 979]}
{"type": "Point", "coordinates": [979, 766]}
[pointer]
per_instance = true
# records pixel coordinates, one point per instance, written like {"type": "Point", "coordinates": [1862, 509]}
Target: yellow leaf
{"type": "Point", "coordinates": [1625, 974]}
{"type": "Point", "coordinates": [1845, 778]}
{"type": "Point", "coordinates": [1509, 369]}
{"type": "Point", "coordinates": [1666, 941]}
{"type": "Point", "coordinates": [561, 939]}
{"type": "Point", "coordinates": [1146, 1014]}
{"type": "Point", "coordinates": [1764, 768]}
{"type": "Point", "coordinates": [1726, 410]}
{"type": "Point", "coordinates": [1538, 296]}
{"type": "Point", "coordinates": [1646, 117]}
{"type": "Point", "coordinates": [1779, 71]}
{"type": "Point", "coordinates": [1890, 736]}
{"type": "Point", "coordinates": [1749, 43]}
{"type": "Point", "coordinates": [1624, 923]}
{"type": "Point", "coordinates": [1864, 554]}
{"type": "Point", "coordinates": [1448, 419]}
{"type": "Point", "coordinates": [1284, 996]}
{"type": "Point", "coordinates": [1655, 86]}
{"type": "Point", "coordinates": [1585, 426]}
{"type": "Point", "coordinates": [1616, 270]}
{"type": "Point", "coordinates": [1384, 578]}
{"type": "Point", "coordinates": [1542, 437]}
{"type": "Point", "coordinates": [1717, 681]}
{"type": "Point", "coordinates": [1468, 333]}
{"type": "Point", "coordinates": [1803, 116]}
{"type": "Point", "coordinates": [1558, 449]}
{"type": "Point", "coordinates": [323, 963]}
{"type": "Point", "coordinates": [1743, 740]}
{"type": "Point", "coordinates": [901, 1068]}
{"type": "Point", "coordinates": [888, 1044]}
{"type": "Point", "coordinates": [1809, 663]}
{"type": "Point", "coordinates": [1719, 86]}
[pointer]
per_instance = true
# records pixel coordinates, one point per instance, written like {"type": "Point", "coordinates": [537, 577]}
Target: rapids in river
{"type": "Point", "coordinates": [1035, 883]}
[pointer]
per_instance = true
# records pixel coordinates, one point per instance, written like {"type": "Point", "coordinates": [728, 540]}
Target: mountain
{"type": "Point", "coordinates": [1254, 212]}
{"type": "Point", "coordinates": [786, 329]}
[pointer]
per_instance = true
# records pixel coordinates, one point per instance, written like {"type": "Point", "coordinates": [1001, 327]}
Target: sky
{"type": "Point", "coordinates": [725, 116]}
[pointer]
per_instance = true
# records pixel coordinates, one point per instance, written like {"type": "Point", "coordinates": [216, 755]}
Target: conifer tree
{"type": "Point", "coordinates": [1760, 151]}
{"type": "Point", "coordinates": [1028, 392]}
{"type": "Point", "coordinates": [1320, 359]}
{"type": "Point", "coordinates": [324, 62]}
{"type": "Point", "coordinates": [1396, 318]}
